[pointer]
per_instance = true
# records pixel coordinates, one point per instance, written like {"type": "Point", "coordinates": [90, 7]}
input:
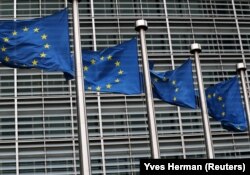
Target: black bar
{"type": "Point", "coordinates": [194, 166]}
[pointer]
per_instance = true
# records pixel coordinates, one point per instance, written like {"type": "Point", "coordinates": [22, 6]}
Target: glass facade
{"type": "Point", "coordinates": [38, 127]}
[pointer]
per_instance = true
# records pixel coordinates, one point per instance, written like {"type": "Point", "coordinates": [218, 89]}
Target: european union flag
{"type": "Point", "coordinates": [38, 43]}
{"type": "Point", "coordinates": [224, 104]}
{"type": "Point", "coordinates": [113, 69]}
{"type": "Point", "coordinates": [175, 87]}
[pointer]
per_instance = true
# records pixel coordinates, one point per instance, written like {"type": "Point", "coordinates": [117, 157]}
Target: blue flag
{"type": "Point", "coordinates": [224, 104]}
{"type": "Point", "coordinates": [113, 69]}
{"type": "Point", "coordinates": [41, 43]}
{"type": "Point", "coordinates": [175, 87]}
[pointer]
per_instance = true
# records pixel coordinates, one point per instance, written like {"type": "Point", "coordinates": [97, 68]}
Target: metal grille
{"type": "Point", "coordinates": [38, 130]}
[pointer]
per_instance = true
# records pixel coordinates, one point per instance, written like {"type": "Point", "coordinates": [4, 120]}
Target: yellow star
{"type": "Point", "coordinates": [223, 114]}
{"type": "Point", "coordinates": [42, 55]}
{"type": "Point", "coordinates": [117, 63]}
{"type": "Point", "coordinates": [174, 98]}
{"type": "Point", "coordinates": [155, 79]}
{"type": "Point", "coordinates": [25, 29]}
{"type": "Point", "coordinates": [34, 62]}
{"type": "Point", "coordinates": [85, 68]}
{"type": "Point", "coordinates": [214, 94]}
{"type": "Point", "coordinates": [90, 88]}
{"type": "Point", "coordinates": [117, 80]}
{"type": "Point", "coordinates": [98, 88]}
{"type": "Point", "coordinates": [209, 96]}
{"type": "Point", "coordinates": [220, 98]}
{"type": "Point", "coordinates": [14, 33]}
{"type": "Point", "coordinates": [173, 82]}
{"type": "Point", "coordinates": [44, 37]}
{"type": "Point", "coordinates": [109, 57]}
{"type": "Point", "coordinates": [120, 72]}
{"type": "Point", "coordinates": [36, 29]}
{"type": "Point", "coordinates": [5, 39]}
{"type": "Point", "coordinates": [46, 46]}
{"type": "Point", "coordinates": [3, 49]}
{"type": "Point", "coordinates": [176, 89]}
{"type": "Point", "coordinates": [6, 59]}
{"type": "Point", "coordinates": [108, 86]}
{"type": "Point", "coordinates": [92, 61]}
{"type": "Point", "coordinates": [102, 58]}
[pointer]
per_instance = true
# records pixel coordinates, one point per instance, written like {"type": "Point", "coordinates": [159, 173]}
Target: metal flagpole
{"type": "Point", "coordinates": [141, 26]}
{"type": "Point", "coordinates": [196, 49]}
{"type": "Point", "coordinates": [84, 154]}
{"type": "Point", "coordinates": [241, 68]}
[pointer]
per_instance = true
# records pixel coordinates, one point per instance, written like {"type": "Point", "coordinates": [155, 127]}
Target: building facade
{"type": "Point", "coordinates": [38, 126]}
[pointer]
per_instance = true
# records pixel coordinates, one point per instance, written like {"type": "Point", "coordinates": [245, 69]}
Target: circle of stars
{"type": "Point", "coordinates": [173, 83]}
{"type": "Point", "coordinates": [25, 30]}
{"type": "Point", "coordinates": [220, 100]}
{"type": "Point", "coordinates": [117, 78]}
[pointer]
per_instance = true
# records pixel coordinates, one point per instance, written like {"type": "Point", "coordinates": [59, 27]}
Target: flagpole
{"type": "Point", "coordinates": [196, 49]}
{"type": "Point", "coordinates": [83, 141]}
{"type": "Point", "coordinates": [241, 68]}
{"type": "Point", "coordinates": [141, 26]}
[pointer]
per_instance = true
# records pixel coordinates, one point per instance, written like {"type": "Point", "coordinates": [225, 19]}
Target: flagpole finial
{"type": "Point", "coordinates": [76, 0]}
{"type": "Point", "coordinates": [141, 23]}
{"type": "Point", "coordinates": [195, 47]}
{"type": "Point", "coordinates": [241, 66]}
